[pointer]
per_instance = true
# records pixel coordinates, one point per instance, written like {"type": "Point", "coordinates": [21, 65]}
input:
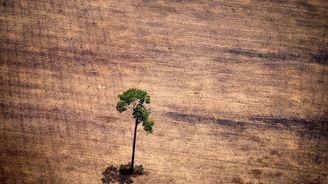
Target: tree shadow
{"type": "Point", "coordinates": [112, 175]}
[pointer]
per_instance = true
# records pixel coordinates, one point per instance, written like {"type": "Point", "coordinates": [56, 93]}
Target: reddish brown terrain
{"type": "Point", "coordinates": [238, 90]}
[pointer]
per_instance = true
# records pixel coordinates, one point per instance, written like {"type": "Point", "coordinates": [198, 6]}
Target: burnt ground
{"type": "Point", "coordinates": [238, 90]}
{"type": "Point", "coordinates": [112, 175]}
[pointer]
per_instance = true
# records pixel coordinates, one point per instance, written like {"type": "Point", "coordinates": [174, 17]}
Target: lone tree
{"type": "Point", "coordinates": [136, 99]}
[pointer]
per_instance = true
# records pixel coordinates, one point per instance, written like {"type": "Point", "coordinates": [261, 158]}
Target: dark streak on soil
{"type": "Point", "coordinates": [268, 56]}
{"type": "Point", "coordinates": [321, 57]}
{"type": "Point", "coordinates": [203, 119]}
{"type": "Point", "coordinates": [302, 127]}
{"type": "Point", "coordinates": [64, 62]}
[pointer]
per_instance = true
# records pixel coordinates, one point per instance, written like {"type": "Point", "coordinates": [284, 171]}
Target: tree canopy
{"type": "Point", "coordinates": [136, 99]}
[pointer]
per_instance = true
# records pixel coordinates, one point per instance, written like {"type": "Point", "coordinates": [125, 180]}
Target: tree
{"type": "Point", "coordinates": [136, 99]}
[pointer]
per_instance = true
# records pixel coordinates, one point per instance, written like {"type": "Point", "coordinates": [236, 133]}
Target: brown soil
{"type": "Point", "coordinates": [238, 90]}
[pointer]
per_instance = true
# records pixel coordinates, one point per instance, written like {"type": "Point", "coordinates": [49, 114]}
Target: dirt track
{"type": "Point", "coordinates": [238, 90]}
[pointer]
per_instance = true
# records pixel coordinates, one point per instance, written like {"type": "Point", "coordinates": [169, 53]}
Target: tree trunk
{"type": "Point", "coordinates": [134, 145]}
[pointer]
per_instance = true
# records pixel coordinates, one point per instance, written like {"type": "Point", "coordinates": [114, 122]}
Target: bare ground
{"type": "Point", "coordinates": [239, 90]}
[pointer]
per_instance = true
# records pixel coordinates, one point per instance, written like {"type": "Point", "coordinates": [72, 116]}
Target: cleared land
{"type": "Point", "coordinates": [239, 90]}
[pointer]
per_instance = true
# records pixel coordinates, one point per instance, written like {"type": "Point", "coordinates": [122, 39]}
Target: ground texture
{"type": "Point", "coordinates": [238, 90]}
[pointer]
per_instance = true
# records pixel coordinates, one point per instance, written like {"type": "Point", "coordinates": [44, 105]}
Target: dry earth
{"type": "Point", "coordinates": [239, 90]}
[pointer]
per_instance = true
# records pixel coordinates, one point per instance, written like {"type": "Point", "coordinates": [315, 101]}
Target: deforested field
{"type": "Point", "coordinates": [238, 90]}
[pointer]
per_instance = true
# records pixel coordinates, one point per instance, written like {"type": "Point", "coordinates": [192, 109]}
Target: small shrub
{"type": "Point", "coordinates": [125, 169]}
{"type": "Point", "coordinates": [138, 169]}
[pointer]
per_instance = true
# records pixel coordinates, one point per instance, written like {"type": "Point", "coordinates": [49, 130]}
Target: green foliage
{"type": "Point", "coordinates": [121, 106]}
{"type": "Point", "coordinates": [148, 126]}
{"type": "Point", "coordinates": [138, 170]}
{"type": "Point", "coordinates": [125, 169]}
{"type": "Point", "coordinates": [132, 95]}
{"type": "Point", "coordinates": [141, 113]}
{"type": "Point", "coordinates": [136, 99]}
